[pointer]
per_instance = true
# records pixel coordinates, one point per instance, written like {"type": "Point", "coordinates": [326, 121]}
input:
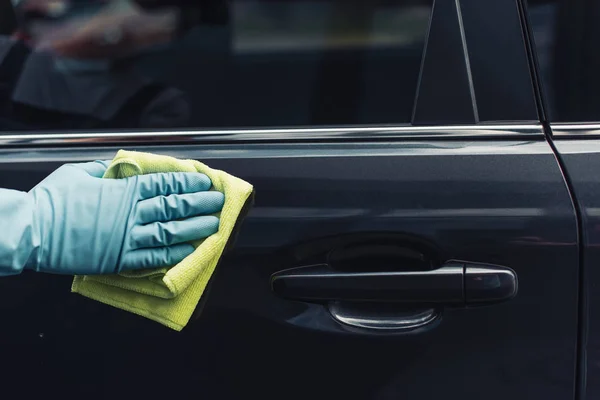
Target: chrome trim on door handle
{"type": "Point", "coordinates": [380, 321]}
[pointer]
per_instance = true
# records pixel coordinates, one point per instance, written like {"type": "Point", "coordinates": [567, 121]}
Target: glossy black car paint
{"type": "Point", "coordinates": [501, 202]}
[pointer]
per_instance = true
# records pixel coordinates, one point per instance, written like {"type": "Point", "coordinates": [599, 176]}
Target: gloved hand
{"type": "Point", "coordinates": [82, 224]}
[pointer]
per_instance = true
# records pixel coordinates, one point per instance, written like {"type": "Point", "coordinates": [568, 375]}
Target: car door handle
{"type": "Point", "coordinates": [455, 283]}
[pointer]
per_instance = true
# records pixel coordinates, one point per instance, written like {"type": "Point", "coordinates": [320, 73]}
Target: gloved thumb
{"type": "Point", "coordinates": [95, 168]}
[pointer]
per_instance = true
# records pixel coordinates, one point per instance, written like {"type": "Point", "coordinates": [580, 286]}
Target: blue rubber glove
{"type": "Point", "coordinates": [76, 223]}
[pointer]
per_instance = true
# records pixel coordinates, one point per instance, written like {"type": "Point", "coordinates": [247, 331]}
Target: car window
{"type": "Point", "coordinates": [567, 40]}
{"type": "Point", "coordinates": [243, 63]}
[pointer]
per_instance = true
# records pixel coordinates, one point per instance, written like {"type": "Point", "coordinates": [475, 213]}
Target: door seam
{"type": "Point", "coordinates": [580, 373]}
{"type": "Point", "coordinates": [582, 292]}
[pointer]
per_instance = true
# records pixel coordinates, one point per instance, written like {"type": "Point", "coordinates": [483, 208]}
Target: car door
{"type": "Point", "coordinates": [567, 39]}
{"type": "Point", "coordinates": [398, 157]}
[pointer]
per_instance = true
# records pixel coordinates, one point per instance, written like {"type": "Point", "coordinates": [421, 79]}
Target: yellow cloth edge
{"type": "Point", "coordinates": [94, 294]}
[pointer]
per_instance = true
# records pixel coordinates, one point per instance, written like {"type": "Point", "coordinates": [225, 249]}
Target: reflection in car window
{"type": "Point", "coordinates": [156, 64]}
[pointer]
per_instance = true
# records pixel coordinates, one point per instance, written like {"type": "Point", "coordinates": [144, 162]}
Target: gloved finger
{"type": "Point", "coordinates": [178, 206]}
{"type": "Point", "coordinates": [160, 234]}
{"type": "Point", "coordinates": [164, 184]}
{"type": "Point", "coordinates": [156, 258]}
{"type": "Point", "coordinates": [95, 168]}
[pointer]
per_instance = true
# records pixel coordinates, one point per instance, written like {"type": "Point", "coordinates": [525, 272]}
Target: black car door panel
{"type": "Point", "coordinates": [502, 202]}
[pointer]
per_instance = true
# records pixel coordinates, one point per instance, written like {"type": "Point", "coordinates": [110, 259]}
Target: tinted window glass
{"type": "Point", "coordinates": [116, 65]}
{"type": "Point", "coordinates": [567, 39]}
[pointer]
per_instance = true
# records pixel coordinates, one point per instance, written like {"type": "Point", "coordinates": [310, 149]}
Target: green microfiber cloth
{"type": "Point", "coordinates": [169, 295]}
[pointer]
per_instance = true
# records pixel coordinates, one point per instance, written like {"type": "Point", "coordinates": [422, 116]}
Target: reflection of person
{"type": "Point", "coordinates": [68, 67]}
{"type": "Point", "coordinates": [75, 223]}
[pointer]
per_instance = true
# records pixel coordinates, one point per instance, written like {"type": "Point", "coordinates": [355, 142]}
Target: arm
{"type": "Point", "coordinates": [16, 239]}
{"type": "Point", "coordinates": [76, 223]}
